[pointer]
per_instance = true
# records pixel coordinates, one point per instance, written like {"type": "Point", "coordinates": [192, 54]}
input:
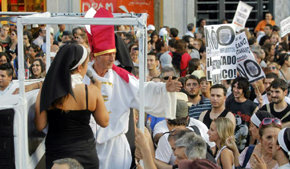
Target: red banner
{"type": "Point", "coordinates": [120, 6]}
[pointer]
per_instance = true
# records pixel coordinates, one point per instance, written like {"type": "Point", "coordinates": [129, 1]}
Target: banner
{"type": "Point", "coordinates": [246, 63]}
{"type": "Point", "coordinates": [285, 26]}
{"type": "Point", "coordinates": [242, 13]}
{"type": "Point", "coordinates": [122, 6]}
{"type": "Point", "coordinates": [220, 52]}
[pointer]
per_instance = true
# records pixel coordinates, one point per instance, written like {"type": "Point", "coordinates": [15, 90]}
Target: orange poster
{"type": "Point", "coordinates": [121, 6]}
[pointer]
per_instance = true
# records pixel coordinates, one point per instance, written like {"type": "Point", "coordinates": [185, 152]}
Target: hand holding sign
{"type": "Point", "coordinates": [256, 86]}
{"type": "Point", "coordinates": [241, 15]}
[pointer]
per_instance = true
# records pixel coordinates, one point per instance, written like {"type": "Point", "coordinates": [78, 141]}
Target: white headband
{"type": "Point", "coordinates": [255, 120]}
{"type": "Point", "coordinates": [281, 140]}
{"type": "Point", "coordinates": [85, 54]}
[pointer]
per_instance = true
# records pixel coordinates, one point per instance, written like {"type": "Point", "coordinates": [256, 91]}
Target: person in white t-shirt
{"type": "Point", "coordinates": [164, 155]}
{"type": "Point", "coordinates": [6, 74]}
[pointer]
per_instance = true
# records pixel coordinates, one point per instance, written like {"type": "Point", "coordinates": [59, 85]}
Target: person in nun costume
{"type": "Point", "coordinates": [120, 90]}
{"type": "Point", "coordinates": [65, 104]}
{"type": "Point", "coordinates": [281, 151]}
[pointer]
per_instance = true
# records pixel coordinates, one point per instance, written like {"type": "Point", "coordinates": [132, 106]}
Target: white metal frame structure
{"type": "Point", "coordinates": [22, 158]}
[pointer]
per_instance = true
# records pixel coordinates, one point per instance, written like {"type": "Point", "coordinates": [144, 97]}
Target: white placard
{"type": "Point", "coordinates": [242, 13]}
{"type": "Point", "coordinates": [285, 26]}
{"type": "Point", "coordinates": [220, 52]}
{"type": "Point", "coordinates": [247, 66]}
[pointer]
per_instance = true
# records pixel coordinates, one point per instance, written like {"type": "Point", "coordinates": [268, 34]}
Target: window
{"type": "Point", "coordinates": [214, 11]}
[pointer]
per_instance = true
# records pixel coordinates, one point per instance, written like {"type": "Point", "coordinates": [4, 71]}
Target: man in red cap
{"type": "Point", "coordinates": [120, 91]}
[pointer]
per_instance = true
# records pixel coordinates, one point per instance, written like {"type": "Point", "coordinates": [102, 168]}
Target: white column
{"type": "Point", "coordinates": [178, 14]}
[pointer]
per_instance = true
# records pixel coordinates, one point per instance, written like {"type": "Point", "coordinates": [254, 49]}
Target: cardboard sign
{"type": "Point", "coordinates": [285, 26]}
{"type": "Point", "coordinates": [120, 6]}
{"type": "Point", "coordinates": [246, 63]}
{"type": "Point", "coordinates": [220, 52]}
{"type": "Point", "coordinates": [241, 15]}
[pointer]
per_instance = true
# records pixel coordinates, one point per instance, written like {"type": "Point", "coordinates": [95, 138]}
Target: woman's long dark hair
{"type": "Point", "coordinates": [180, 47]}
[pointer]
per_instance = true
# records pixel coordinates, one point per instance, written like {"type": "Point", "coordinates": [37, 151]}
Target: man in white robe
{"type": "Point", "coordinates": [120, 91]}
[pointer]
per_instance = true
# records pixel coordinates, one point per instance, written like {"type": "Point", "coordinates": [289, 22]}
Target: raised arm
{"type": "Point", "coordinates": [30, 87]}
{"type": "Point", "coordinates": [142, 144]}
{"type": "Point", "coordinates": [230, 143]}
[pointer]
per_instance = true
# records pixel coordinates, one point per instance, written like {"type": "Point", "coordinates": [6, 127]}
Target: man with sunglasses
{"type": "Point", "coordinates": [152, 120]}
{"type": "Point", "coordinates": [158, 129]}
{"type": "Point", "coordinates": [278, 106]}
{"type": "Point", "coordinates": [166, 72]}
{"type": "Point", "coordinates": [164, 154]}
{"type": "Point", "coordinates": [199, 102]}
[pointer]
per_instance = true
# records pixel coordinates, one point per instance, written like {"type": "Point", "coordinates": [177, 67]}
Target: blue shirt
{"type": "Point", "coordinates": [196, 110]}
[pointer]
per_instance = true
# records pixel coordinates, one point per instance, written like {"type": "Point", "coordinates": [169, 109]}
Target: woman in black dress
{"type": "Point", "coordinates": [65, 104]}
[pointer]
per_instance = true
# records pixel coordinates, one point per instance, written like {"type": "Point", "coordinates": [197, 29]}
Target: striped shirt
{"type": "Point", "coordinates": [196, 110]}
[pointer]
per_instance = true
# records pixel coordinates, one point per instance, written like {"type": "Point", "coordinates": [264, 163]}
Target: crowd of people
{"type": "Point", "coordinates": [190, 123]}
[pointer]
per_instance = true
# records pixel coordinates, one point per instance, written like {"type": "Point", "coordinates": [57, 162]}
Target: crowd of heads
{"type": "Point", "coordinates": [172, 56]}
{"type": "Point", "coordinates": [34, 45]}
{"type": "Point", "coordinates": [183, 57]}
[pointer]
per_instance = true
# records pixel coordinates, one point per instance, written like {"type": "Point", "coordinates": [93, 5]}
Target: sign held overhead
{"type": "Point", "coordinates": [241, 16]}
{"type": "Point", "coordinates": [220, 52]}
{"type": "Point", "coordinates": [247, 66]}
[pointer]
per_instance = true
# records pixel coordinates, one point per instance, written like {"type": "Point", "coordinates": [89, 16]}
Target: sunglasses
{"type": "Point", "coordinates": [167, 77]}
{"type": "Point", "coordinates": [3, 61]}
{"type": "Point", "coordinates": [268, 121]}
{"type": "Point", "coordinates": [273, 67]}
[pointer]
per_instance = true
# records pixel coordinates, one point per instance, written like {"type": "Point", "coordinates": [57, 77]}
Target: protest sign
{"type": "Point", "coordinates": [242, 13]}
{"type": "Point", "coordinates": [246, 63]}
{"type": "Point", "coordinates": [220, 52]}
{"type": "Point", "coordinates": [285, 26]}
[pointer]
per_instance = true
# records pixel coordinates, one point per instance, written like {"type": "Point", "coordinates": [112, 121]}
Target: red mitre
{"type": "Point", "coordinates": [101, 37]}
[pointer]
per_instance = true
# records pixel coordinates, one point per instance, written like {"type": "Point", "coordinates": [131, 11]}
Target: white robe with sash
{"type": "Point", "coordinates": [120, 91]}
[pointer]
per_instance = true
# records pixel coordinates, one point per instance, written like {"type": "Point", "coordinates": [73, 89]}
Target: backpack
{"type": "Point", "coordinates": [248, 155]}
{"type": "Point", "coordinates": [269, 110]}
